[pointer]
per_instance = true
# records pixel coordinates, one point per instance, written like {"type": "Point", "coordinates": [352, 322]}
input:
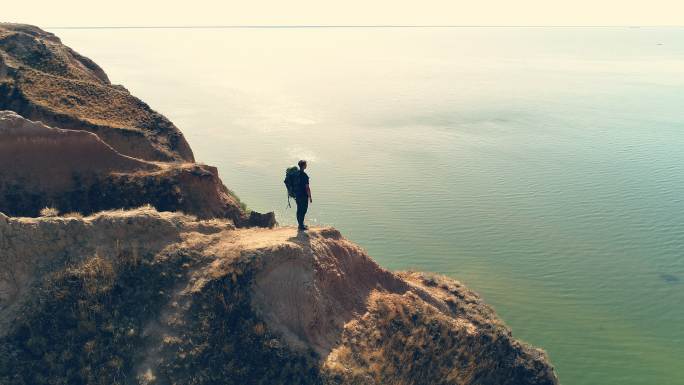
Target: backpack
{"type": "Point", "coordinates": [291, 182]}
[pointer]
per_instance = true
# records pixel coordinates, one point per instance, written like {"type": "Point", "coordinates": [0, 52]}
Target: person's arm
{"type": "Point", "coordinates": [308, 193]}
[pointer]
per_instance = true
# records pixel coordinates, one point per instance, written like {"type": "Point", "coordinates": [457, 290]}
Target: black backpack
{"type": "Point", "coordinates": [291, 182]}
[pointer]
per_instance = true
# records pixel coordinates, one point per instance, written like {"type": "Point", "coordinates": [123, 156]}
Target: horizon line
{"type": "Point", "coordinates": [294, 26]}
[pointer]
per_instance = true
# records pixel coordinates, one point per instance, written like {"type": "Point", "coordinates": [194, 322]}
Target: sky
{"type": "Point", "coordinates": [81, 13]}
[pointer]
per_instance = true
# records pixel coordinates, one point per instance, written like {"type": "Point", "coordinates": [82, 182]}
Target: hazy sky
{"type": "Point", "coordinates": [51, 13]}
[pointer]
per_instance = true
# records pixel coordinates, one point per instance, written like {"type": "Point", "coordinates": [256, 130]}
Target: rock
{"type": "Point", "coordinates": [261, 220]}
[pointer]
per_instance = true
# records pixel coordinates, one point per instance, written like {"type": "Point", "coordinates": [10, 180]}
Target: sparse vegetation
{"type": "Point", "coordinates": [403, 337]}
{"type": "Point", "coordinates": [182, 190]}
{"type": "Point", "coordinates": [182, 311]}
{"type": "Point", "coordinates": [11, 273]}
{"type": "Point", "coordinates": [243, 205]}
{"type": "Point", "coordinates": [99, 308]}
{"type": "Point", "coordinates": [49, 212]}
{"type": "Point", "coordinates": [102, 306]}
{"type": "Point", "coordinates": [73, 214]}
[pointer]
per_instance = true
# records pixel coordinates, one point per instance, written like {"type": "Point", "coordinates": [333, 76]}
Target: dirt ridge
{"type": "Point", "coordinates": [201, 302]}
{"type": "Point", "coordinates": [41, 79]}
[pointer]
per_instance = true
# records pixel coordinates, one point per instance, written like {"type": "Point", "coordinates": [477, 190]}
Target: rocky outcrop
{"type": "Point", "coordinates": [161, 298]}
{"type": "Point", "coordinates": [75, 171]}
{"type": "Point", "coordinates": [41, 79]}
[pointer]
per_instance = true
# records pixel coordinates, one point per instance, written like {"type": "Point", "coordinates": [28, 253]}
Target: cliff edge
{"type": "Point", "coordinates": [75, 171]}
{"type": "Point", "coordinates": [161, 298]}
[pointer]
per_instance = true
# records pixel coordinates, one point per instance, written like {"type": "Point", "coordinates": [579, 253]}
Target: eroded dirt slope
{"type": "Point", "coordinates": [42, 79]}
{"type": "Point", "coordinates": [160, 298]}
{"type": "Point", "coordinates": [75, 171]}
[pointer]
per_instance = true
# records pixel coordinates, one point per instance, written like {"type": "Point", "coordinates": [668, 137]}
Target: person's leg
{"type": "Point", "coordinates": [300, 216]}
{"type": "Point", "coordinates": [305, 208]}
{"type": "Point", "coordinates": [302, 206]}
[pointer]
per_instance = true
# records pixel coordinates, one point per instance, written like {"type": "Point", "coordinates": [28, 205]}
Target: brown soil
{"type": "Point", "coordinates": [75, 171]}
{"type": "Point", "coordinates": [159, 298]}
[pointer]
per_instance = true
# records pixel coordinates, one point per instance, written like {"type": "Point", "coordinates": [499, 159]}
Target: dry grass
{"type": "Point", "coordinates": [12, 273]}
{"type": "Point", "coordinates": [403, 340]}
{"type": "Point", "coordinates": [49, 212]}
{"type": "Point", "coordinates": [96, 273]}
{"type": "Point", "coordinates": [85, 321]}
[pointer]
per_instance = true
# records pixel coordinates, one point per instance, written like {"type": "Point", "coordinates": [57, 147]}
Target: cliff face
{"type": "Point", "coordinates": [148, 297]}
{"type": "Point", "coordinates": [41, 79]}
{"type": "Point", "coordinates": [105, 149]}
{"type": "Point", "coordinates": [75, 171]}
{"type": "Point", "coordinates": [138, 296]}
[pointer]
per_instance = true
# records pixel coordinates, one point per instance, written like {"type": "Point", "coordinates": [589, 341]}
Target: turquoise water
{"type": "Point", "coordinates": [543, 167]}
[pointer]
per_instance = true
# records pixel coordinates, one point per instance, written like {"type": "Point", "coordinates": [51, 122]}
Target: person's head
{"type": "Point", "coordinates": [302, 164]}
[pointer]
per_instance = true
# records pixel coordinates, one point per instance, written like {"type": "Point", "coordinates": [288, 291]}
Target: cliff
{"type": "Point", "coordinates": [95, 147]}
{"type": "Point", "coordinates": [147, 297]}
{"type": "Point", "coordinates": [75, 171]}
{"type": "Point", "coordinates": [41, 79]}
{"type": "Point", "coordinates": [157, 274]}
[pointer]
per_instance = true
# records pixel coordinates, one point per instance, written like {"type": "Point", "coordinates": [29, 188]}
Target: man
{"type": "Point", "coordinates": [302, 195]}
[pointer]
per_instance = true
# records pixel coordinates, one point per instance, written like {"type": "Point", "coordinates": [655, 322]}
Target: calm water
{"type": "Point", "coordinates": [543, 167]}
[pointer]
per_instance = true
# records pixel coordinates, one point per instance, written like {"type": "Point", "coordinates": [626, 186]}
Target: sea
{"type": "Point", "coordinates": [543, 167]}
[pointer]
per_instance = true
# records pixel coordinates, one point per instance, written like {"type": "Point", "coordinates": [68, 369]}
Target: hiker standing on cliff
{"type": "Point", "coordinates": [297, 183]}
{"type": "Point", "coordinates": [302, 195]}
